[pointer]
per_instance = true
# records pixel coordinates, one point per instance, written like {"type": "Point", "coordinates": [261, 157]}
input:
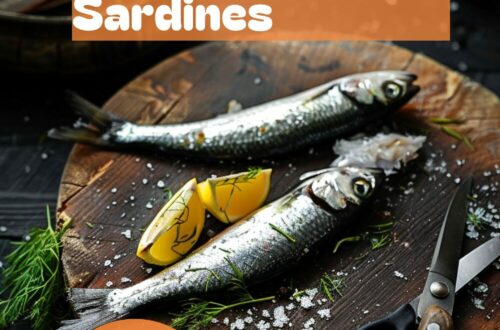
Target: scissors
{"type": "Point", "coordinates": [433, 309]}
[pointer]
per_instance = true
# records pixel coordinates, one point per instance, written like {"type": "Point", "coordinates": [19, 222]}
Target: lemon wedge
{"type": "Point", "coordinates": [175, 229]}
{"type": "Point", "coordinates": [232, 197]}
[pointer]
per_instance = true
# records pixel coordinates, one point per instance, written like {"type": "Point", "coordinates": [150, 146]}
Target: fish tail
{"type": "Point", "coordinates": [92, 309]}
{"type": "Point", "coordinates": [96, 128]}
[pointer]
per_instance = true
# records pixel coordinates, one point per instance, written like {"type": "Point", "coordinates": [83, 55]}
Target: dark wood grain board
{"type": "Point", "coordinates": [198, 84]}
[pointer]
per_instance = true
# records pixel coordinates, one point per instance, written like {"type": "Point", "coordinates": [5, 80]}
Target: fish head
{"type": "Point", "coordinates": [391, 89]}
{"type": "Point", "coordinates": [339, 187]}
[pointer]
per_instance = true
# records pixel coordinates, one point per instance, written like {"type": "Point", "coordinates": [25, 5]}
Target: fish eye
{"type": "Point", "coordinates": [392, 90]}
{"type": "Point", "coordinates": [361, 187]}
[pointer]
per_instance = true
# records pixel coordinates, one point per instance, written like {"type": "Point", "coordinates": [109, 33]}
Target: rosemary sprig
{"type": "Point", "coordinates": [453, 133]}
{"type": "Point", "coordinates": [346, 239]}
{"type": "Point", "coordinates": [284, 233]}
{"type": "Point", "coordinates": [379, 242]}
{"type": "Point", "coordinates": [32, 277]}
{"type": "Point", "coordinates": [446, 120]}
{"type": "Point", "coordinates": [329, 286]}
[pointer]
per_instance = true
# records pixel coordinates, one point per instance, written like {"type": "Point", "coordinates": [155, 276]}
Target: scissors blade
{"type": "Point", "coordinates": [472, 264]}
{"type": "Point", "coordinates": [444, 265]}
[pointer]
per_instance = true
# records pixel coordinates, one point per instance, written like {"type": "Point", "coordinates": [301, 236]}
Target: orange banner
{"type": "Point", "coordinates": [261, 20]}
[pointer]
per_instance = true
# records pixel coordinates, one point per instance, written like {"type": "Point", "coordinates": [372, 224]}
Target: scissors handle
{"type": "Point", "coordinates": [403, 318]}
{"type": "Point", "coordinates": [435, 317]}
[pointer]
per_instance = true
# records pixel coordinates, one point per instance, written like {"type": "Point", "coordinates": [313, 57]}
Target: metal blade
{"type": "Point", "coordinates": [444, 267]}
{"type": "Point", "coordinates": [472, 264]}
{"type": "Point", "coordinates": [477, 260]}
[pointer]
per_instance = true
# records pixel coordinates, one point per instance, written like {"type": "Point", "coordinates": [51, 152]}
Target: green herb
{"type": "Point", "coordinates": [382, 225]}
{"type": "Point", "coordinates": [468, 143]}
{"type": "Point", "coordinates": [346, 239]}
{"type": "Point", "coordinates": [446, 121]}
{"type": "Point", "coordinates": [298, 294]}
{"type": "Point", "coordinates": [198, 313]}
{"type": "Point", "coordinates": [475, 220]}
{"type": "Point", "coordinates": [379, 242]}
{"type": "Point", "coordinates": [90, 225]}
{"type": "Point", "coordinates": [471, 198]}
{"type": "Point", "coordinates": [169, 193]}
{"type": "Point", "coordinates": [284, 233]}
{"type": "Point", "coordinates": [329, 286]}
{"type": "Point", "coordinates": [253, 172]}
{"type": "Point", "coordinates": [453, 133]}
{"type": "Point", "coordinates": [33, 278]}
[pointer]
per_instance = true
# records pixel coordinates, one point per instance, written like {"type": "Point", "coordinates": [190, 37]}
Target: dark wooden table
{"type": "Point", "coordinates": [31, 166]}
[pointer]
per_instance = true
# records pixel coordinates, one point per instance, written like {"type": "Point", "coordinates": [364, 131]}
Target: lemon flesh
{"type": "Point", "coordinates": [175, 229]}
{"type": "Point", "coordinates": [231, 198]}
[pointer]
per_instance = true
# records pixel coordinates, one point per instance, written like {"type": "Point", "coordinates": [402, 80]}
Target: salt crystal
{"type": "Point", "coordinates": [238, 324]}
{"type": "Point", "coordinates": [107, 263]}
{"type": "Point", "coordinates": [109, 284]}
{"type": "Point", "coordinates": [263, 325]}
{"type": "Point", "coordinates": [290, 306]}
{"type": "Point", "coordinates": [149, 270]}
{"type": "Point", "coordinates": [149, 205]}
{"type": "Point", "coordinates": [257, 80]}
{"type": "Point", "coordinates": [127, 234]}
{"type": "Point", "coordinates": [280, 318]}
{"type": "Point", "coordinates": [226, 321]}
{"type": "Point", "coordinates": [248, 319]}
{"type": "Point", "coordinates": [399, 275]}
{"type": "Point", "coordinates": [309, 323]}
{"type": "Point", "coordinates": [125, 280]}
{"type": "Point", "coordinates": [144, 181]}
{"type": "Point", "coordinates": [160, 184]}
{"type": "Point", "coordinates": [324, 313]}
{"type": "Point", "coordinates": [3, 229]}
{"type": "Point", "coordinates": [44, 156]}
{"type": "Point", "coordinates": [114, 190]}
{"type": "Point", "coordinates": [265, 313]}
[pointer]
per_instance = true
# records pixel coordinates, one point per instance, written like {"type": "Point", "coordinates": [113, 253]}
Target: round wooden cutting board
{"type": "Point", "coordinates": [99, 249]}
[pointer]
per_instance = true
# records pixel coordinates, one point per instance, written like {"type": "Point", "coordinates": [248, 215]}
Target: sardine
{"type": "Point", "coordinates": [321, 113]}
{"type": "Point", "coordinates": [325, 201]}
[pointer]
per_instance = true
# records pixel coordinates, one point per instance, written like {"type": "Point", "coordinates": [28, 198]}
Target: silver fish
{"type": "Point", "coordinates": [321, 113]}
{"type": "Point", "coordinates": [307, 215]}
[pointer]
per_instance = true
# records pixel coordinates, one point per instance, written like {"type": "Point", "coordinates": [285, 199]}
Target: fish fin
{"type": "Point", "coordinates": [91, 307]}
{"type": "Point", "coordinates": [97, 126]}
{"type": "Point", "coordinates": [92, 113]}
{"type": "Point", "coordinates": [81, 134]}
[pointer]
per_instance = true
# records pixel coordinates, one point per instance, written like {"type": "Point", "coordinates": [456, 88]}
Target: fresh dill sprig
{"type": "Point", "coordinates": [475, 220]}
{"type": "Point", "coordinates": [32, 277]}
{"type": "Point", "coordinates": [198, 313]}
{"type": "Point", "coordinates": [253, 172]}
{"type": "Point", "coordinates": [329, 286]}
{"type": "Point", "coordinates": [237, 282]}
{"type": "Point", "coordinates": [344, 240]}
{"type": "Point", "coordinates": [284, 233]}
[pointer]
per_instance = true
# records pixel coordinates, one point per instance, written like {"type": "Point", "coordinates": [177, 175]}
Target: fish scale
{"type": "Point", "coordinates": [324, 112]}
{"type": "Point", "coordinates": [257, 250]}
